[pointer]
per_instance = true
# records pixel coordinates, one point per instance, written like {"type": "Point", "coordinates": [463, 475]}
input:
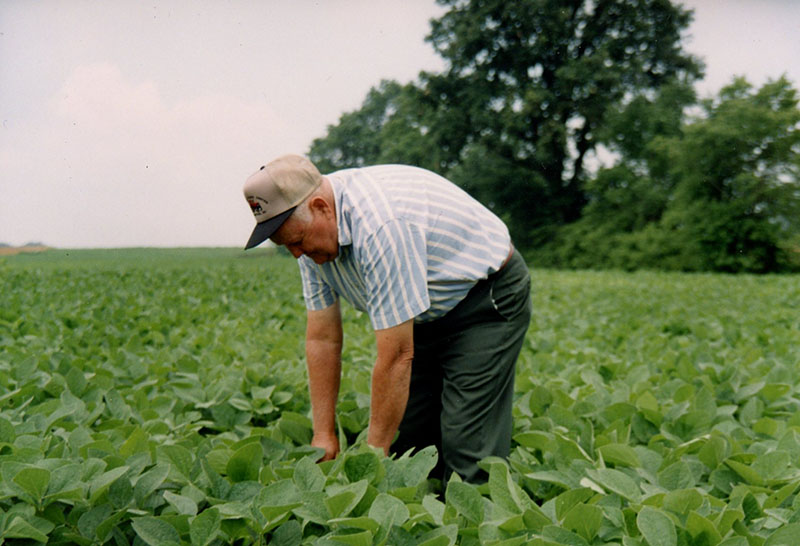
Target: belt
{"type": "Point", "coordinates": [508, 258]}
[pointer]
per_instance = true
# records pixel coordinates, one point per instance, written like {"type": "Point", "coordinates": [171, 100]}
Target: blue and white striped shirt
{"type": "Point", "coordinates": [411, 245]}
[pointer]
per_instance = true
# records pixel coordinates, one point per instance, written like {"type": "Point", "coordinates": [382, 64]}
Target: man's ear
{"type": "Point", "coordinates": [319, 205]}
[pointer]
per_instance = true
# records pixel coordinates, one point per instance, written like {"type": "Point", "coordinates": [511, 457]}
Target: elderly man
{"type": "Point", "coordinates": [446, 293]}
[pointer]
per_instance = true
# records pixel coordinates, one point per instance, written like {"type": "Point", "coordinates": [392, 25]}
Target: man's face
{"type": "Point", "coordinates": [316, 239]}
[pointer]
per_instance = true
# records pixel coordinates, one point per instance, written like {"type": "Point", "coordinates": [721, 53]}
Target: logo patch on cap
{"type": "Point", "coordinates": [257, 205]}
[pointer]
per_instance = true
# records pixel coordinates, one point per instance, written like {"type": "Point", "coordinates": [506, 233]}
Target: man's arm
{"type": "Point", "coordinates": [391, 378]}
{"type": "Point", "coordinates": [324, 358]}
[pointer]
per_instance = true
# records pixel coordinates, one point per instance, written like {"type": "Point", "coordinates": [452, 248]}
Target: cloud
{"type": "Point", "coordinates": [116, 164]}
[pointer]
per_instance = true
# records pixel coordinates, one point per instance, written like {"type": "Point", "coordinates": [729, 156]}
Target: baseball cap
{"type": "Point", "coordinates": [275, 190]}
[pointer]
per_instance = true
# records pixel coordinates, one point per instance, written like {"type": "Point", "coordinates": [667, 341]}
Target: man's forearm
{"type": "Point", "coordinates": [390, 381]}
{"type": "Point", "coordinates": [324, 376]}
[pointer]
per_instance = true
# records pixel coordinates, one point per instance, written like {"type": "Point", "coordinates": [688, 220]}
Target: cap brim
{"type": "Point", "coordinates": [265, 229]}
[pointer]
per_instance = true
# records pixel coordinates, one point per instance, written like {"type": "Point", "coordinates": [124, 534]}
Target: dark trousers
{"type": "Point", "coordinates": [462, 376]}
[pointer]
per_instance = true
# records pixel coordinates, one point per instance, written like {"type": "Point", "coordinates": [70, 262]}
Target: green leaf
{"type": "Point", "coordinates": [179, 457]}
{"type": "Point", "coordinates": [734, 541]}
{"type": "Point", "coordinates": [308, 476]}
{"type": "Point", "coordinates": [776, 498]}
{"type": "Point", "coordinates": [90, 520]}
{"type": "Point", "coordinates": [361, 466]}
{"type": "Point", "coordinates": [585, 520]}
{"type": "Point", "coordinates": [120, 492]}
{"type": "Point", "coordinates": [156, 532]}
{"type": "Point", "coordinates": [504, 491]}
{"type": "Point", "coordinates": [409, 471]}
{"type": "Point", "coordinates": [702, 530]}
{"type": "Point", "coordinates": [204, 527]}
{"type": "Point", "coordinates": [361, 522]}
{"type": "Point", "coordinates": [343, 499]}
{"type": "Point", "coordinates": [19, 527]}
{"type": "Point", "coordinates": [562, 536]}
{"type": "Point", "coordinates": [682, 501]}
{"type": "Point", "coordinates": [100, 484]}
{"type": "Point", "coordinates": [676, 476]}
{"type": "Point", "coordinates": [535, 439]}
{"type": "Point", "coordinates": [656, 527]}
{"type": "Point", "coordinates": [7, 434]}
{"type": "Point", "coordinates": [288, 534]}
{"type": "Point", "coordinates": [34, 481]}
{"type": "Point", "coordinates": [747, 473]}
{"type": "Point", "coordinates": [388, 510]}
{"type": "Point", "coordinates": [276, 501]}
{"type": "Point", "coordinates": [617, 482]}
{"type": "Point", "coordinates": [137, 442]}
{"type": "Point", "coordinates": [434, 507]}
{"type": "Point", "coordinates": [351, 538]}
{"type": "Point", "coordinates": [566, 500]}
{"type": "Point", "coordinates": [619, 454]}
{"type": "Point", "coordinates": [148, 482]}
{"type": "Point", "coordinates": [297, 427]}
{"type": "Point", "coordinates": [183, 505]}
{"type": "Point", "coordinates": [466, 500]}
{"type": "Point", "coordinates": [788, 535]}
{"type": "Point", "coordinates": [245, 463]}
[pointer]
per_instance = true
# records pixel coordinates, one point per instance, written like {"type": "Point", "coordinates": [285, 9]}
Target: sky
{"type": "Point", "coordinates": [136, 123]}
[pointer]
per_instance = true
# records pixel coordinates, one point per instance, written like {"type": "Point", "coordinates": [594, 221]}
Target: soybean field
{"type": "Point", "coordinates": [159, 397]}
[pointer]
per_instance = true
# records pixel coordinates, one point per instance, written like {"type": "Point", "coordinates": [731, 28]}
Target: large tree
{"type": "Point", "coordinates": [528, 86]}
{"type": "Point", "coordinates": [530, 83]}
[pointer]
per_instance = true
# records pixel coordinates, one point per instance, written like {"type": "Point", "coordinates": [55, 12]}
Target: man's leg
{"type": "Point", "coordinates": [478, 370]}
{"type": "Point", "coordinates": [462, 377]}
{"type": "Point", "coordinates": [420, 426]}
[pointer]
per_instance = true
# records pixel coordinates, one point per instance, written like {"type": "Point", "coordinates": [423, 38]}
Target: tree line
{"type": "Point", "coordinates": [578, 123]}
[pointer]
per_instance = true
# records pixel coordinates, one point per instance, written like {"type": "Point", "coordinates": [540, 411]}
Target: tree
{"type": "Point", "coordinates": [355, 140]}
{"type": "Point", "coordinates": [530, 84]}
{"type": "Point", "coordinates": [719, 192]}
{"type": "Point", "coordinates": [737, 199]}
{"type": "Point", "coordinates": [517, 113]}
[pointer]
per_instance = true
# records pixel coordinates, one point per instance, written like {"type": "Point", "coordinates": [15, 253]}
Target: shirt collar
{"type": "Point", "coordinates": [342, 219]}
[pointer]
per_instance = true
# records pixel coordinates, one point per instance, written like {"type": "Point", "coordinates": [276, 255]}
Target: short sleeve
{"type": "Point", "coordinates": [394, 264]}
{"type": "Point", "coordinates": [317, 293]}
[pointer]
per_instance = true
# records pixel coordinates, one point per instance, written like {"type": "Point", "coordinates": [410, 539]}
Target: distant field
{"type": "Point", "coordinates": [158, 396]}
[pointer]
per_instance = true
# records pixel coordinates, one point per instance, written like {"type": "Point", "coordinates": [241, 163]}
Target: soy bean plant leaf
{"type": "Point", "coordinates": [204, 527]}
{"type": "Point", "coordinates": [34, 481]}
{"type": "Point", "coordinates": [156, 532]}
{"type": "Point", "coordinates": [245, 463]}
{"type": "Point", "coordinates": [789, 535]}
{"type": "Point", "coordinates": [616, 482]}
{"type": "Point", "coordinates": [465, 499]}
{"type": "Point", "coordinates": [619, 455]}
{"type": "Point", "coordinates": [388, 510]}
{"type": "Point", "coordinates": [585, 520]}
{"type": "Point", "coordinates": [148, 482]}
{"type": "Point", "coordinates": [341, 500]}
{"type": "Point", "coordinates": [27, 527]}
{"type": "Point", "coordinates": [308, 476]}
{"type": "Point", "coordinates": [181, 504]}
{"type": "Point", "coordinates": [656, 527]}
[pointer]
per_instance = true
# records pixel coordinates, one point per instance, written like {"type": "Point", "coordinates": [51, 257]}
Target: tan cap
{"type": "Point", "coordinates": [275, 190]}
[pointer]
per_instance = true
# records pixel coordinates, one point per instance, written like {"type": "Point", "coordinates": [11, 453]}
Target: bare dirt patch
{"type": "Point", "coordinates": [11, 250]}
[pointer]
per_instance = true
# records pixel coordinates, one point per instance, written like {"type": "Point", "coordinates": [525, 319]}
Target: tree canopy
{"type": "Point", "coordinates": [538, 94]}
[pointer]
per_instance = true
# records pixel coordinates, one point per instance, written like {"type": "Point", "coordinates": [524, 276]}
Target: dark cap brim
{"type": "Point", "coordinates": [265, 229]}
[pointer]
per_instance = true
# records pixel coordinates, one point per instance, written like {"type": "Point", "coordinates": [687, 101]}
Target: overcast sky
{"type": "Point", "coordinates": [135, 123]}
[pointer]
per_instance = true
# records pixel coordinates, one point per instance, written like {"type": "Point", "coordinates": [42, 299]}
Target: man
{"type": "Point", "coordinates": [447, 295]}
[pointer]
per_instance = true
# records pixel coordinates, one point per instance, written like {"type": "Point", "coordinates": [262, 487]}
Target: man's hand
{"type": "Point", "coordinates": [328, 442]}
{"type": "Point", "coordinates": [391, 378]}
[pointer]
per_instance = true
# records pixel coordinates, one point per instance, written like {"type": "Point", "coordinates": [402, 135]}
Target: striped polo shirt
{"type": "Point", "coordinates": [411, 245]}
